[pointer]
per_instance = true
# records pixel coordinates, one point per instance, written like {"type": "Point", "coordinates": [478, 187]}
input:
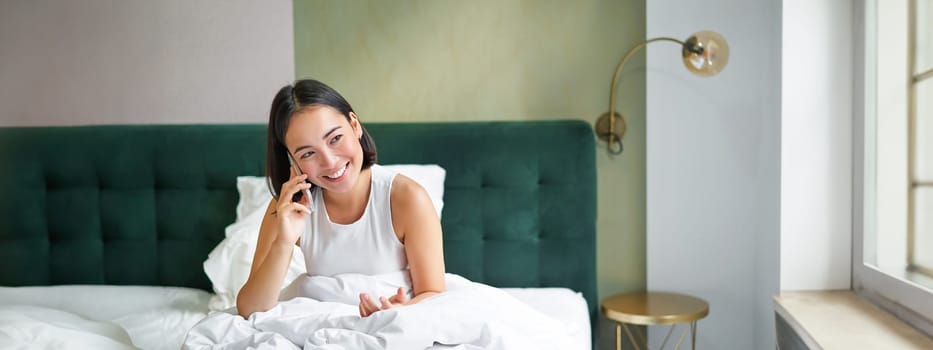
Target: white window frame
{"type": "Point", "coordinates": [915, 78]}
{"type": "Point", "coordinates": [903, 295]}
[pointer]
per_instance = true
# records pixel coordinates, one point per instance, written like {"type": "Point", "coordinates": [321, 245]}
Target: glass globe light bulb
{"type": "Point", "coordinates": [705, 53]}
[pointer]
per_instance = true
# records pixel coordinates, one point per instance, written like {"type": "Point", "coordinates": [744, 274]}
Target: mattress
{"type": "Point", "coordinates": [159, 317]}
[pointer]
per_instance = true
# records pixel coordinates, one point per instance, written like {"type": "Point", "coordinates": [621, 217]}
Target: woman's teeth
{"type": "Point", "coordinates": [339, 173]}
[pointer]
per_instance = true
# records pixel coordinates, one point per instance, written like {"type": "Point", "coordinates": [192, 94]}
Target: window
{"type": "Point", "coordinates": [893, 150]}
{"type": "Point", "coordinates": [920, 102]}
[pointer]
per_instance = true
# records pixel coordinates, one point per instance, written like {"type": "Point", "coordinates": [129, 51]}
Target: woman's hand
{"type": "Point", "coordinates": [368, 306]}
{"type": "Point", "coordinates": [291, 215]}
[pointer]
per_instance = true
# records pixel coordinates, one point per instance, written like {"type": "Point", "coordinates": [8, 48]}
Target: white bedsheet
{"type": "Point", "coordinates": [64, 317]}
{"type": "Point", "coordinates": [152, 317]}
{"type": "Point", "coordinates": [31, 327]}
{"type": "Point", "coordinates": [562, 304]}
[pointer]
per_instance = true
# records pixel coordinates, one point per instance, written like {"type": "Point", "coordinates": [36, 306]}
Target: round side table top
{"type": "Point", "coordinates": [648, 308]}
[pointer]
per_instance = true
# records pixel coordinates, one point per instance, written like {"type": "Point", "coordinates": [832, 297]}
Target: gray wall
{"type": "Point", "coordinates": [142, 62]}
{"type": "Point", "coordinates": [713, 168]}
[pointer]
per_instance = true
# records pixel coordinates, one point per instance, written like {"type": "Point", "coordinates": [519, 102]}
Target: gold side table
{"type": "Point", "coordinates": [654, 308]}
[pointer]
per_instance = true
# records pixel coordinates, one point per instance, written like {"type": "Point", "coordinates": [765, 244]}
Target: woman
{"type": "Point", "coordinates": [368, 219]}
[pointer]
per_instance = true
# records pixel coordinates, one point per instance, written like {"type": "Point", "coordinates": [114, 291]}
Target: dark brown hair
{"type": "Point", "coordinates": [289, 100]}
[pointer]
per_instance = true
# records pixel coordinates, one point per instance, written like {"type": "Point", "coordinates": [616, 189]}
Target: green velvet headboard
{"type": "Point", "coordinates": [144, 205]}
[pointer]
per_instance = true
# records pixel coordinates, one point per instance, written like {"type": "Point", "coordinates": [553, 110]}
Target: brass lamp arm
{"type": "Point", "coordinates": [615, 80]}
{"type": "Point", "coordinates": [704, 53]}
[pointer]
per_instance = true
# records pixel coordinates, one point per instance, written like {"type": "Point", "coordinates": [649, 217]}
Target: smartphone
{"type": "Point", "coordinates": [305, 192]}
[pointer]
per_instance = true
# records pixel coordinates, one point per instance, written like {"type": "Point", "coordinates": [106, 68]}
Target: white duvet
{"type": "Point", "coordinates": [467, 316]}
{"type": "Point", "coordinates": [101, 317]}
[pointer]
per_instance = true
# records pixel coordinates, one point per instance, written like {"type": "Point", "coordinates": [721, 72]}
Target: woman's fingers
{"type": "Point", "coordinates": [292, 186]}
{"type": "Point", "coordinates": [371, 303]}
{"type": "Point", "coordinates": [298, 207]}
{"type": "Point", "coordinates": [289, 206]}
{"type": "Point", "coordinates": [386, 304]}
{"type": "Point", "coordinates": [399, 297]}
{"type": "Point", "coordinates": [364, 311]}
{"type": "Point", "coordinates": [367, 304]}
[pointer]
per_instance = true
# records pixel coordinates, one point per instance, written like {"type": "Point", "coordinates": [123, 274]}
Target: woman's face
{"type": "Point", "coordinates": [326, 147]}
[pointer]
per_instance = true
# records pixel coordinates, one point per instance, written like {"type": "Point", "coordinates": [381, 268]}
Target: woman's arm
{"type": "Point", "coordinates": [421, 234]}
{"type": "Point", "coordinates": [419, 228]}
{"type": "Point", "coordinates": [280, 229]}
{"type": "Point", "coordinates": [267, 273]}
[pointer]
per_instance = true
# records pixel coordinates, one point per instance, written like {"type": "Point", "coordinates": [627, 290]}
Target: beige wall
{"type": "Point", "coordinates": [495, 60]}
{"type": "Point", "coordinates": [142, 62]}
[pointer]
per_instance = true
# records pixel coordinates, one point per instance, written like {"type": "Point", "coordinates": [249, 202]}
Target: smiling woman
{"type": "Point", "coordinates": [369, 219]}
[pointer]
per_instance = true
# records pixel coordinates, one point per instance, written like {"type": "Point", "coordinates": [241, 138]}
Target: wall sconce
{"type": "Point", "coordinates": [705, 54]}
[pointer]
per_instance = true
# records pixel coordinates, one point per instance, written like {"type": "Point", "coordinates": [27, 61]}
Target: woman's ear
{"type": "Point", "coordinates": [355, 124]}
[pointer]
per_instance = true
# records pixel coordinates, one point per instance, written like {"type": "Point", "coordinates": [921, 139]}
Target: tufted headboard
{"type": "Point", "coordinates": [144, 205]}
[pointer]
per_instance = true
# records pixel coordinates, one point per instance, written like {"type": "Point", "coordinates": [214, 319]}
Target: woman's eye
{"type": "Point", "coordinates": [306, 155]}
{"type": "Point", "coordinates": [336, 138]}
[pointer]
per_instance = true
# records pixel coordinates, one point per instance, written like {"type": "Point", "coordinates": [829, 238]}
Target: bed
{"type": "Point", "coordinates": [111, 225]}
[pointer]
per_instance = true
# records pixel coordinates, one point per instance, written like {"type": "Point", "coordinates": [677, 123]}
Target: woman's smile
{"type": "Point", "coordinates": [339, 175]}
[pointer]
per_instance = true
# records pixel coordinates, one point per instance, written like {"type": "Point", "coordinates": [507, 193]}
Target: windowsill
{"type": "Point", "coordinates": [842, 320]}
{"type": "Point", "coordinates": [916, 278]}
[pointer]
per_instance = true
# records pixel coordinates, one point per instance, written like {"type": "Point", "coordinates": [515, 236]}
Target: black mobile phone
{"type": "Point", "coordinates": [297, 196]}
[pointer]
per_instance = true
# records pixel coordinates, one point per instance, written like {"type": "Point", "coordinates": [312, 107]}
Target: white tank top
{"type": "Point", "coordinates": [368, 246]}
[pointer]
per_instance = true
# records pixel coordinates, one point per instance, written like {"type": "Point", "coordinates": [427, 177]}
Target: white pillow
{"type": "Point", "coordinates": [254, 193]}
{"type": "Point", "coordinates": [228, 265]}
{"type": "Point", "coordinates": [430, 176]}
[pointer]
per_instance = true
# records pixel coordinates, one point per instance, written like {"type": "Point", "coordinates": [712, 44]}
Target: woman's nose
{"type": "Point", "coordinates": [328, 160]}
